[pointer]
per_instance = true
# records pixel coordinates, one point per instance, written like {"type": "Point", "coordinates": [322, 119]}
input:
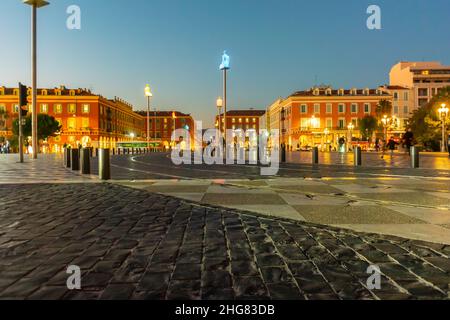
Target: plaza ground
{"type": "Point", "coordinates": [157, 231]}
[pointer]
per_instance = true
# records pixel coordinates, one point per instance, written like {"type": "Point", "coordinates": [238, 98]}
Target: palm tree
{"type": "Point", "coordinates": [384, 107]}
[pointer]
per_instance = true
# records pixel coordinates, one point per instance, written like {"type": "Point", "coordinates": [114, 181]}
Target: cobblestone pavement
{"type": "Point", "coordinates": [409, 207]}
{"type": "Point", "coordinates": [131, 244]}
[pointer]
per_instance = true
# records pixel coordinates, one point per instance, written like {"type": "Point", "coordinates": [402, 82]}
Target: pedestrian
{"type": "Point", "coordinates": [342, 145]}
{"type": "Point", "coordinates": [408, 139]}
{"type": "Point", "coordinates": [391, 145]}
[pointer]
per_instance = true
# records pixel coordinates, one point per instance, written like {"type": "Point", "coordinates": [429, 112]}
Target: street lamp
{"type": "Point", "coordinates": [219, 104]}
{"type": "Point", "coordinates": [350, 127]}
{"type": "Point", "coordinates": [225, 66]}
{"type": "Point", "coordinates": [149, 95]}
{"type": "Point", "coordinates": [443, 112]}
{"type": "Point", "coordinates": [326, 132]}
{"type": "Point", "coordinates": [35, 4]}
{"type": "Point", "coordinates": [385, 122]}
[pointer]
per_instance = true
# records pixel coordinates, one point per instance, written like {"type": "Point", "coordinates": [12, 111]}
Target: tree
{"type": "Point", "coordinates": [384, 107]}
{"type": "Point", "coordinates": [47, 127]}
{"type": "Point", "coordinates": [367, 126]}
{"type": "Point", "coordinates": [426, 124]}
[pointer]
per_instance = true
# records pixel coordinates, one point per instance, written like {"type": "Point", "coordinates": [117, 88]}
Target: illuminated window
{"type": "Point", "coordinates": [329, 123]}
{"type": "Point", "coordinates": [85, 108]}
{"type": "Point", "coordinates": [240, 120]}
{"type": "Point", "coordinates": [71, 123]}
{"type": "Point", "coordinates": [57, 108]}
{"type": "Point", "coordinates": [72, 108]}
{"type": "Point", "coordinates": [16, 108]}
{"type": "Point", "coordinates": [44, 108]}
{"type": "Point", "coordinates": [85, 123]}
{"type": "Point", "coordinates": [316, 108]}
{"type": "Point", "coordinates": [2, 108]}
{"type": "Point", "coordinates": [247, 120]}
{"type": "Point", "coordinates": [234, 120]}
{"type": "Point", "coordinates": [426, 72]}
{"type": "Point", "coordinates": [254, 119]}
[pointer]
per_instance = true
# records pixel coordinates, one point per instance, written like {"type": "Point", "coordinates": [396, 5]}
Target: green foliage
{"type": "Point", "coordinates": [384, 107]}
{"type": "Point", "coordinates": [367, 126]}
{"type": "Point", "coordinates": [426, 123]}
{"type": "Point", "coordinates": [47, 127]}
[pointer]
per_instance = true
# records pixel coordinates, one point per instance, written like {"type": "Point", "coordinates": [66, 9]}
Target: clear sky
{"type": "Point", "coordinates": [276, 47]}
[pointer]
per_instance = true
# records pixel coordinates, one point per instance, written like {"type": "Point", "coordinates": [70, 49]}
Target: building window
{"type": "Point", "coordinates": [354, 108]}
{"type": "Point", "coordinates": [406, 110]}
{"type": "Point", "coordinates": [247, 120]}
{"type": "Point", "coordinates": [304, 108]}
{"type": "Point", "coordinates": [44, 108]}
{"type": "Point", "coordinates": [72, 108]}
{"type": "Point", "coordinates": [85, 108]}
{"type": "Point", "coordinates": [2, 108]}
{"type": "Point", "coordinates": [71, 123]}
{"type": "Point", "coordinates": [16, 108]}
{"type": "Point", "coordinates": [57, 108]}
{"type": "Point", "coordinates": [316, 108]}
{"type": "Point", "coordinates": [305, 124]}
{"type": "Point", "coordinates": [240, 120]}
{"type": "Point", "coordinates": [254, 120]}
{"type": "Point", "coordinates": [405, 96]}
{"type": "Point", "coordinates": [341, 108]}
{"type": "Point", "coordinates": [329, 123]}
{"type": "Point", "coordinates": [85, 123]}
{"type": "Point", "coordinates": [367, 108]}
{"type": "Point", "coordinates": [341, 123]}
{"type": "Point", "coordinates": [329, 108]}
{"type": "Point", "coordinates": [423, 92]}
{"type": "Point", "coordinates": [395, 96]}
{"type": "Point", "coordinates": [396, 110]}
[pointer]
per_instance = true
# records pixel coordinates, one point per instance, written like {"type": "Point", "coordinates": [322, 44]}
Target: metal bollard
{"type": "Point", "coordinates": [85, 161]}
{"type": "Point", "coordinates": [65, 157]}
{"type": "Point", "coordinates": [68, 157]}
{"type": "Point", "coordinates": [75, 159]}
{"type": "Point", "coordinates": [104, 166]}
{"type": "Point", "coordinates": [415, 159]}
{"type": "Point", "coordinates": [315, 155]}
{"type": "Point", "coordinates": [358, 156]}
{"type": "Point", "coordinates": [283, 153]}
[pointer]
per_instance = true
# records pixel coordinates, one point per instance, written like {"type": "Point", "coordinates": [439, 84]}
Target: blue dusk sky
{"type": "Point", "coordinates": [276, 47]}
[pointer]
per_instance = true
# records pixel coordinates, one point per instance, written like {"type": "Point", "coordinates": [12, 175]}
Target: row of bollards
{"type": "Point", "coordinates": [357, 156]}
{"type": "Point", "coordinates": [80, 160]}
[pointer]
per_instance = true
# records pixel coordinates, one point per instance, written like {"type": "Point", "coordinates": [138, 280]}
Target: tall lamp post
{"type": "Point", "coordinates": [350, 127]}
{"type": "Point", "coordinates": [149, 95]}
{"type": "Point", "coordinates": [443, 112]}
{"type": "Point", "coordinates": [219, 104]}
{"type": "Point", "coordinates": [35, 4]}
{"type": "Point", "coordinates": [326, 132]}
{"type": "Point", "coordinates": [225, 66]}
{"type": "Point", "coordinates": [385, 121]}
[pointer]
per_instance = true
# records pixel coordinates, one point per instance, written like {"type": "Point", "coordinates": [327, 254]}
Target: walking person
{"type": "Point", "coordinates": [408, 139]}
{"type": "Point", "coordinates": [391, 146]}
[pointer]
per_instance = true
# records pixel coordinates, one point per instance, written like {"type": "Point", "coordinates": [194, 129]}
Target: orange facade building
{"type": "Point", "coordinates": [86, 118]}
{"type": "Point", "coordinates": [321, 115]}
{"type": "Point", "coordinates": [163, 123]}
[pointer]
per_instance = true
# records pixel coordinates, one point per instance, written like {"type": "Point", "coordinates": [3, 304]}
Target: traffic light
{"type": "Point", "coordinates": [23, 100]}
